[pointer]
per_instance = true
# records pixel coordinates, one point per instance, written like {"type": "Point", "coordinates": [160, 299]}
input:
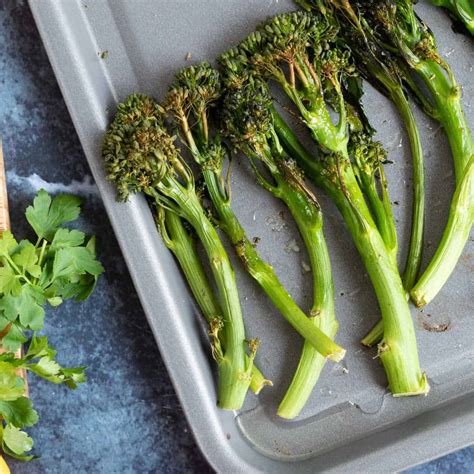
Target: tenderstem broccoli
{"type": "Point", "coordinates": [402, 32]}
{"type": "Point", "coordinates": [179, 239]}
{"type": "Point", "coordinates": [194, 91]}
{"type": "Point", "coordinates": [378, 67]}
{"type": "Point", "coordinates": [300, 52]}
{"type": "Point", "coordinates": [248, 123]}
{"type": "Point", "coordinates": [381, 69]}
{"type": "Point", "coordinates": [140, 156]}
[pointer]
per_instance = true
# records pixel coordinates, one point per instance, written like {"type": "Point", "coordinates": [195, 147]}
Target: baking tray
{"type": "Point", "coordinates": [103, 50]}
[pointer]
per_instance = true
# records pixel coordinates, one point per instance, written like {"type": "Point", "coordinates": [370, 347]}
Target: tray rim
{"type": "Point", "coordinates": [220, 458]}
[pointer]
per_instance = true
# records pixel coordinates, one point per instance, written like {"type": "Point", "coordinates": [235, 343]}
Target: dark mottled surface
{"type": "Point", "coordinates": [126, 418]}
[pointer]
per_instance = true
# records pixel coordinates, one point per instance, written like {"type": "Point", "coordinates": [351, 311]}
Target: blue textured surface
{"type": "Point", "coordinates": [126, 418]}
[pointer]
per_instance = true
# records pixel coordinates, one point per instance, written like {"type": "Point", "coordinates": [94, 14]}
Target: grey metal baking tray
{"type": "Point", "coordinates": [351, 424]}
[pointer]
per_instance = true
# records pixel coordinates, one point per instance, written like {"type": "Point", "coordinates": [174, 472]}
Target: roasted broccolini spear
{"type": "Point", "coordinates": [178, 238]}
{"type": "Point", "coordinates": [299, 51]}
{"type": "Point", "coordinates": [401, 31]}
{"type": "Point", "coordinates": [194, 91]}
{"type": "Point", "coordinates": [380, 68]}
{"type": "Point", "coordinates": [247, 122]}
{"type": "Point", "coordinates": [140, 156]}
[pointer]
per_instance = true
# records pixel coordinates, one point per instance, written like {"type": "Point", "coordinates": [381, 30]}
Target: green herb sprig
{"type": "Point", "coordinates": [60, 265]}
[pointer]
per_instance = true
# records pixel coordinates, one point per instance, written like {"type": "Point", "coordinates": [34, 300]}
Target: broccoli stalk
{"type": "Point", "coordinates": [140, 157]}
{"type": "Point", "coordinates": [397, 350]}
{"type": "Point", "coordinates": [179, 240]}
{"type": "Point", "coordinates": [248, 123]}
{"type": "Point", "coordinates": [401, 31]}
{"type": "Point", "coordinates": [374, 336]}
{"type": "Point", "coordinates": [460, 10]}
{"type": "Point", "coordinates": [303, 39]}
{"type": "Point", "coordinates": [194, 91]}
{"type": "Point", "coordinates": [382, 71]}
{"type": "Point", "coordinates": [455, 236]}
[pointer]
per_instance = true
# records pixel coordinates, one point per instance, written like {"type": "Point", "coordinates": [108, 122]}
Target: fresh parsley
{"type": "Point", "coordinates": [61, 264]}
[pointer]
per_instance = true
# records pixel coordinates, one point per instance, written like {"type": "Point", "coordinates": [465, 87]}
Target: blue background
{"type": "Point", "coordinates": [127, 417]}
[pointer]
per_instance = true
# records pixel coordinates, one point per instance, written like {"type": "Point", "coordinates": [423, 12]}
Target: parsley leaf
{"type": "Point", "coordinates": [47, 214]}
{"type": "Point", "coordinates": [3, 323]}
{"type": "Point", "coordinates": [26, 259]}
{"type": "Point", "coordinates": [80, 288]}
{"type": "Point", "coordinates": [55, 301]}
{"type": "Point", "coordinates": [9, 281]}
{"type": "Point", "coordinates": [7, 243]}
{"type": "Point", "coordinates": [40, 359]}
{"type": "Point", "coordinates": [19, 412]}
{"type": "Point", "coordinates": [14, 338]}
{"type": "Point", "coordinates": [11, 386]}
{"type": "Point", "coordinates": [48, 369]}
{"type": "Point", "coordinates": [67, 238]}
{"type": "Point", "coordinates": [25, 307]}
{"type": "Point", "coordinates": [16, 442]}
{"type": "Point", "coordinates": [75, 260]}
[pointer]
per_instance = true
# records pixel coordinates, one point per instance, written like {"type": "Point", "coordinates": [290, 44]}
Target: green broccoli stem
{"type": "Point", "coordinates": [384, 221]}
{"type": "Point", "coordinates": [385, 76]}
{"type": "Point", "coordinates": [374, 336]}
{"type": "Point", "coordinates": [415, 249]}
{"type": "Point", "coordinates": [460, 10]}
{"type": "Point", "coordinates": [448, 110]}
{"type": "Point", "coordinates": [413, 262]}
{"type": "Point", "coordinates": [264, 274]}
{"type": "Point", "coordinates": [233, 366]}
{"type": "Point", "coordinates": [394, 91]}
{"type": "Point", "coordinates": [397, 351]}
{"type": "Point", "coordinates": [177, 238]}
{"type": "Point", "coordinates": [310, 224]}
{"type": "Point", "coordinates": [446, 97]}
{"type": "Point", "coordinates": [452, 243]}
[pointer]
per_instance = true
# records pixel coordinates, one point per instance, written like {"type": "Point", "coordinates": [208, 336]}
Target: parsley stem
{"type": "Point", "coordinates": [14, 266]}
{"type": "Point", "coordinates": [43, 249]}
{"type": "Point", "coordinates": [41, 256]}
